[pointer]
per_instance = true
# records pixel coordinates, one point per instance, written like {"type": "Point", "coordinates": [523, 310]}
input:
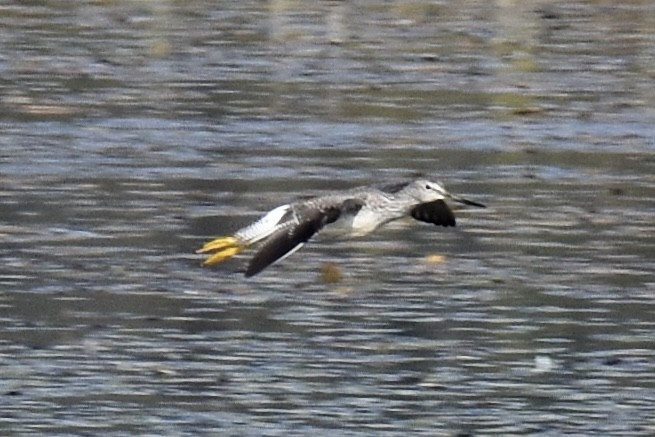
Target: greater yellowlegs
{"type": "Point", "coordinates": [356, 212]}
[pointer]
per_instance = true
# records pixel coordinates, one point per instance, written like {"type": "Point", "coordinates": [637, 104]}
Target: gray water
{"type": "Point", "coordinates": [131, 132]}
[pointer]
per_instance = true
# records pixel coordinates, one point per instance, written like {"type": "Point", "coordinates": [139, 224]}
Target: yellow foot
{"type": "Point", "coordinates": [225, 248]}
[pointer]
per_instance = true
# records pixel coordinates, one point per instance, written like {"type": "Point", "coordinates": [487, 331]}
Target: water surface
{"type": "Point", "coordinates": [131, 132]}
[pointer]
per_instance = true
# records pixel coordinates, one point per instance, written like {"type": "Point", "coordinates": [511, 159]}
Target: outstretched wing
{"type": "Point", "coordinates": [436, 212]}
{"type": "Point", "coordinates": [285, 241]}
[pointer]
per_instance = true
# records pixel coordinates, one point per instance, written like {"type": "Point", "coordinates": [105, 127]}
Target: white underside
{"type": "Point", "coordinates": [353, 226]}
{"type": "Point", "coordinates": [365, 222]}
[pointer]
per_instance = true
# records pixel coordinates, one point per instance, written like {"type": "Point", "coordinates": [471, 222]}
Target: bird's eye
{"type": "Point", "coordinates": [427, 187]}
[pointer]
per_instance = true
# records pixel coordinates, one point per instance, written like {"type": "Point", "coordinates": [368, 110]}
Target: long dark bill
{"type": "Point", "coordinates": [467, 202]}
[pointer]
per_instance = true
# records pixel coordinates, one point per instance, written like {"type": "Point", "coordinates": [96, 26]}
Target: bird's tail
{"type": "Point", "coordinates": [223, 248]}
{"type": "Point", "coordinates": [226, 247]}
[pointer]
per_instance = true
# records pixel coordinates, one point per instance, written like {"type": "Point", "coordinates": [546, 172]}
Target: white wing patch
{"type": "Point", "coordinates": [263, 227]}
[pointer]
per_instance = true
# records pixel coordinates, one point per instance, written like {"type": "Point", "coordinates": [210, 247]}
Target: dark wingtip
{"type": "Point", "coordinates": [436, 212]}
{"type": "Point", "coordinates": [252, 271]}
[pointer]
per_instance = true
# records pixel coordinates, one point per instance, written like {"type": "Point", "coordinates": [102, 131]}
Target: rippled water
{"type": "Point", "coordinates": [131, 132]}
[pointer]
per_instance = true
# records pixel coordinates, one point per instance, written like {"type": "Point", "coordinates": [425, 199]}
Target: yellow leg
{"type": "Point", "coordinates": [225, 248]}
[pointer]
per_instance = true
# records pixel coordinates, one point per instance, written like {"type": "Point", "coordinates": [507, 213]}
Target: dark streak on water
{"type": "Point", "coordinates": [132, 131]}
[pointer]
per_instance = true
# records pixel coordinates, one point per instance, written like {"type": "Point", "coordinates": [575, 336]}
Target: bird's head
{"type": "Point", "coordinates": [427, 191]}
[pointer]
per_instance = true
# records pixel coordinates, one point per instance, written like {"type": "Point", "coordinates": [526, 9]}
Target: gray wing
{"type": "Point", "coordinates": [285, 241]}
{"type": "Point", "coordinates": [392, 188]}
{"type": "Point", "coordinates": [436, 212]}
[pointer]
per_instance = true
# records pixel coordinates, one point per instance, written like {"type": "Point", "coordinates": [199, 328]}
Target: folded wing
{"type": "Point", "coordinates": [291, 237]}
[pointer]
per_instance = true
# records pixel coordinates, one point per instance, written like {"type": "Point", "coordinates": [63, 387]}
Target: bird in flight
{"type": "Point", "coordinates": [354, 213]}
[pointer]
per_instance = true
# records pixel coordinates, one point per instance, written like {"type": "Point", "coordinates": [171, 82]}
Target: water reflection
{"type": "Point", "coordinates": [133, 131]}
